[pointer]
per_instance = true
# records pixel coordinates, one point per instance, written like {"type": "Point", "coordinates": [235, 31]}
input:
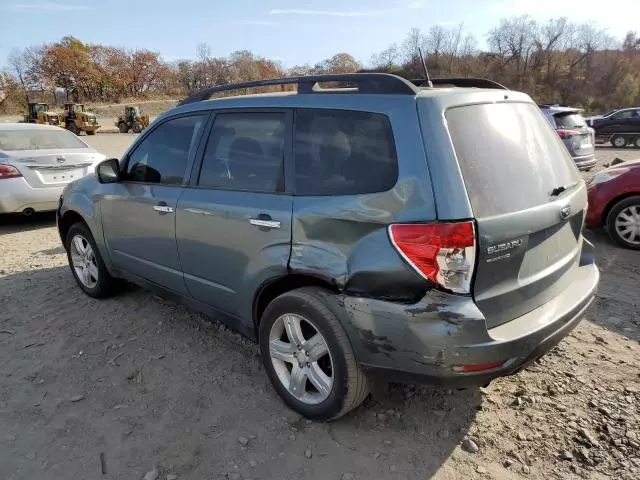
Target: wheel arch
{"type": "Point", "coordinates": [272, 289]}
{"type": "Point", "coordinates": [612, 203]}
{"type": "Point", "coordinates": [67, 220]}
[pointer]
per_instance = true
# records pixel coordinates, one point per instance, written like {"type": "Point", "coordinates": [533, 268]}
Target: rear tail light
{"type": "Point", "coordinates": [7, 171]}
{"type": "Point", "coordinates": [567, 133]}
{"type": "Point", "coordinates": [443, 253]}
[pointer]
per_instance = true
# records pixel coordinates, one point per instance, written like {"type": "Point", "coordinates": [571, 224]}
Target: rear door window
{"type": "Point", "coordinates": [342, 152]}
{"type": "Point", "coordinates": [509, 156]}
{"type": "Point", "coordinates": [624, 115]}
{"type": "Point", "coordinates": [245, 151]}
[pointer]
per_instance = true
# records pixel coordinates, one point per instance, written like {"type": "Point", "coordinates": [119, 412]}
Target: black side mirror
{"type": "Point", "coordinates": [108, 171]}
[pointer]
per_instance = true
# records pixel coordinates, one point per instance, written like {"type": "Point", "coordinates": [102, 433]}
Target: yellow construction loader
{"type": "Point", "coordinates": [77, 120]}
{"type": "Point", "coordinates": [39, 113]}
{"type": "Point", "coordinates": [132, 120]}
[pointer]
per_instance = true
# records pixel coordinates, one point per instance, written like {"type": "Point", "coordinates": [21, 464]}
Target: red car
{"type": "Point", "coordinates": [614, 203]}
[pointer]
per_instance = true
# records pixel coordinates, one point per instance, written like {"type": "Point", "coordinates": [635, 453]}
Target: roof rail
{"type": "Point", "coordinates": [464, 82]}
{"type": "Point", "coordinates": [382, 83]}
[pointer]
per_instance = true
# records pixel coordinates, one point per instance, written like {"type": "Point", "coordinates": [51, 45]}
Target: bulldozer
{"type": "Point", "coordinates": [39, 113]}
{"type": "Point", "coordinates": [77, 120]}
{"type": "Point", "coordinates": [133, 120]}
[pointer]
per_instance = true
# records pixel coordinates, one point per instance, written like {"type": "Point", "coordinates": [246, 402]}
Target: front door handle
{"type": "Point", "coordinates": [264, 222]}
{"type": "Point", "coordinates": [162, 207]}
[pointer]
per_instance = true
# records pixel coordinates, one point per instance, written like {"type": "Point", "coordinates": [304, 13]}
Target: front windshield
{"type": "Point", "coordinates": [40, 107]}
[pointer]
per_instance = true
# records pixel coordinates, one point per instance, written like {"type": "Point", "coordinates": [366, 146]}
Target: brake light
{"type": "Point", "coordinates": [564, 133]}
{"type": "Point", "coordinates": [443, 253]}
{"type": "Point", "coordinates": [7, 171]}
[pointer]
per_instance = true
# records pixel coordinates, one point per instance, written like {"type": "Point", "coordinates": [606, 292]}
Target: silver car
{"type": "Point", "coordinates": [36, 162]}
{"type": "Point", "coordinates": [577, 136]}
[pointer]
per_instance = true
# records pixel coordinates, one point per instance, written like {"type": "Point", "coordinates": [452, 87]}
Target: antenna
{"type": "Point", "coordinates": [424, 66]}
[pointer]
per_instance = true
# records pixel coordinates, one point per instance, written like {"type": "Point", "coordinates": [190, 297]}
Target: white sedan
{"type": "Point", "coordinates": [36, 162]}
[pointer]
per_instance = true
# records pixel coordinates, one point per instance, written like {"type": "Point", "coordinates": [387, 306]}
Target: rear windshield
{"type": "Point", "coordinates": [37, 139]}
{"type": "Point", "coordinates": [569, 120]}
{"type": "Point", "coordinates": [509, 155]}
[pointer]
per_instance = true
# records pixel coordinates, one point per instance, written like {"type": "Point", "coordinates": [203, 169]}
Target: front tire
{"type": "Point", "coordinates": [308, 357]}
{"type": "Point", "coordinates": [123, 127]}
{"type": "Point", "coordinates": [636, 142]}
{"type": "Point", "coordinates": [623, 223]}
{"type": "Point", "coordinates": [136, 127]}
{"type": "Point", "coordinates": [618, 141]}
{"type": "Point", "coordinates": [86, 263]}
{"type": "Point", "coordinates": [91, 132]}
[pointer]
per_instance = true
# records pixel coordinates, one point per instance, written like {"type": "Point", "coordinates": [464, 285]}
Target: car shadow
{"type": "Point", "coordinates": [616, 305]}
{"type": "Point", "coordinates": [53, 251]}
{"type": "Point", "coordinates": [21, 223]}
{"type": "Point", "coordinates": [163, 382]}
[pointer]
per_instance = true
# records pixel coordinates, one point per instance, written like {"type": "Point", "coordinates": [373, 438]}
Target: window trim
{"type": "Point", "coordinates": [350, 110]}
{"type": "Point", "coordinates": [124, 164]}
{"type": "Point", "coordinates": [288, 151]}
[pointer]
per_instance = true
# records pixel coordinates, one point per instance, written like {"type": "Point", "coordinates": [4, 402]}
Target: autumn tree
{"type": "Point", "coordinates": [339, 63]}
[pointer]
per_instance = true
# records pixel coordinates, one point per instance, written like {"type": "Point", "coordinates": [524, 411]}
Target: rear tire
{"type": "Point", "coordinates": [87, 265]}
{"type": "Point", "coordinates": [91, 132]}
{"type": "Point", "coordinates": [346, 386]}
{"type": "Point", "coordinates": [618, 141]}
{"type": "Point", "coordinates": [622, 219]}
{"type": "Point", "coordinates": [636, 142]}
{"type": "Point", "coordinates": [123, 127]}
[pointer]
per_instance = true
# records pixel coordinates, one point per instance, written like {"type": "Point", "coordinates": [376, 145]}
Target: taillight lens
{"type": "Point", "coordinates": [564, 133]}
{"type": "Point", "coordinates": [443, 253]}
{"type": "Point", "coordinates": [7, 171]}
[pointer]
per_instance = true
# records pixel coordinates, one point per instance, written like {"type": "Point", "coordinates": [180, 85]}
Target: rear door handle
{"type": "Point", "coordinates": [162, 207]}
{"type": "Point", "coordinates": [264, 223]}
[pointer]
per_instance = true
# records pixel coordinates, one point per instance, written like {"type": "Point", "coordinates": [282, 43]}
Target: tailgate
{"type": "Point", "coordinates": [528, 201]}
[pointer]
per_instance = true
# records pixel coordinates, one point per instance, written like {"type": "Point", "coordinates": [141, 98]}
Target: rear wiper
{"type": "Point", "coordinates": [562, 188]}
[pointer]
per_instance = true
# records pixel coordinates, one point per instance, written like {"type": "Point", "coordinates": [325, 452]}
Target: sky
{"type": "Point", "coordinates": [293, 32]}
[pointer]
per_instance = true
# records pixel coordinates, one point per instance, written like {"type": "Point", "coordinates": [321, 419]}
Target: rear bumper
{"type": "Point", "coordinates": [430, 341]}
{"type": "Point", "coordinates": [585, 162]}
{"type": "Point", "coordinates": [16, 195]}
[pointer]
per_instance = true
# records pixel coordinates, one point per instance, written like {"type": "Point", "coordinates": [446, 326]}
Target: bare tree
{"type": "Point", "coordinates": [18, 63]}
{"type": "Point", "coordinates": [386, 59]}
{"type": "Point", "coordinates": [451, 46]}
{"type": "Point", "coordinates": [514, 40]}
{"type": "Point", "coordinates": [414, 41]}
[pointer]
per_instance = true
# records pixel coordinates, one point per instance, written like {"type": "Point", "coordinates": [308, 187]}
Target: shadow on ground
{"type": "Point", "coordinates": [146, 383]}
{"type": "Point", "coordinates": [617, 302]}
{"type": "Point", "coordinates": [22, 223]}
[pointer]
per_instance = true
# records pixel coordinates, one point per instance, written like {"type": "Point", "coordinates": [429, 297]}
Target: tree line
{"type": "Point", "coordinates": [556, 62]}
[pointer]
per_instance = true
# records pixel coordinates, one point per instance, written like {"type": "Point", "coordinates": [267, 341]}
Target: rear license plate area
{"type": "Point", "coordinates": [61, 175]}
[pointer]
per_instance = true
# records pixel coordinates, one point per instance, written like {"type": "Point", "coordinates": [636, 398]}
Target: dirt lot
{"type": "Point", "coordinates": [142, 387]}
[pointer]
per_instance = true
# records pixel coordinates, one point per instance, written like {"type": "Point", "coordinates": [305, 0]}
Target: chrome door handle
{"type": "Point", "coordinates": [264, 223]}
{"type": "Point", "coordinates": [163, 208]}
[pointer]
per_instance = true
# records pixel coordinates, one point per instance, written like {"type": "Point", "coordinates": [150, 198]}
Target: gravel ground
{"type": "Point", "coordinates": [139, 387]}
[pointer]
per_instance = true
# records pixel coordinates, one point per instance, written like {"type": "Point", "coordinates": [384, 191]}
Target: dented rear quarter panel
{"type": "Point", "coordinates": [344, 240]}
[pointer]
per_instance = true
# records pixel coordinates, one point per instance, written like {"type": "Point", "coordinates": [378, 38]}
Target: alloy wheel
{"type": "Point", "coordinates": [84, 261]}
{"type": "Point", "coordinates": [301, 359]}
